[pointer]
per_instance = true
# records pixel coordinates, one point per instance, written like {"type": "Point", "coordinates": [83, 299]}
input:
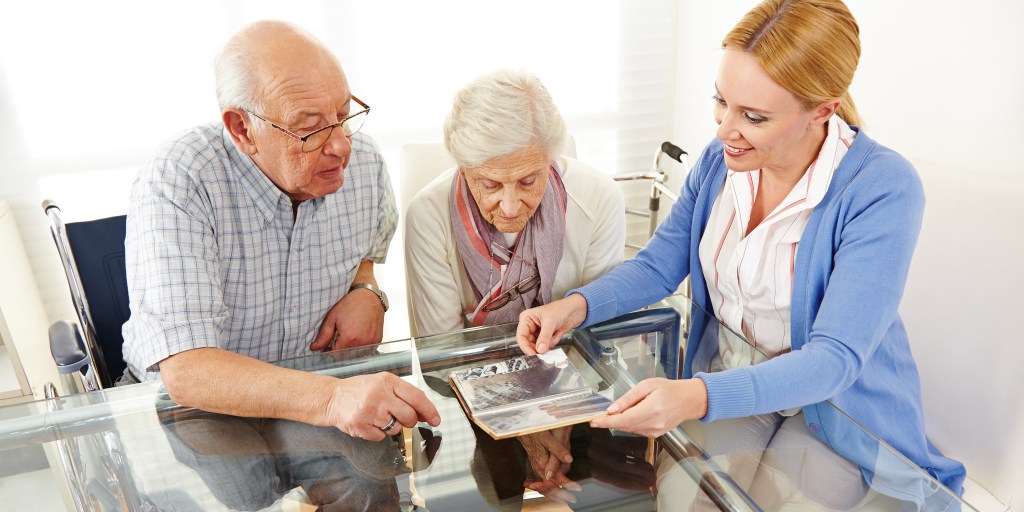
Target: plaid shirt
{"type": "Point", "coordinates": [214, 259]}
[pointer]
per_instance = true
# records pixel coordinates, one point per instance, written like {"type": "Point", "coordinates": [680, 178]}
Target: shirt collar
{"type": "Point", "coordinates": [263, 192]}
{"type": "Point", "coordinates": [816, 180]}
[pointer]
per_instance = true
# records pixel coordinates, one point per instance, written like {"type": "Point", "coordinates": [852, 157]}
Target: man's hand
{"type": "Point", "coordinates": [356, 320]}
{"type": "Point", "coordinates": [541, 328]}
{"type": "Point", "coordinates": [361, 405]}
{"type": "Point", "coordinates": [655, 406]}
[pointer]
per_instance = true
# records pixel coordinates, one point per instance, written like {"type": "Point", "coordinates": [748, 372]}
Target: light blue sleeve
{"type": "Point", "coordinates": [659, 268]}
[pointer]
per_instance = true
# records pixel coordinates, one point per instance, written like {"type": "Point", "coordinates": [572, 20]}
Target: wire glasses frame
{"type": "Point", "coordinates": [316, 139]}
{"type": "Point", "coordinates": [522, 287]}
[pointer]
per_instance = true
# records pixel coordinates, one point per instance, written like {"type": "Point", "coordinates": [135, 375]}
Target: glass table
{"type": "Point", "coordinates": [122, 448]}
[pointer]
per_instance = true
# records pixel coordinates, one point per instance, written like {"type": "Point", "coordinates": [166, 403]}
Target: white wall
{"type": "Point", "coordinates": [940, 82]}
{"type": "Point", "coordinates": [86, 97]}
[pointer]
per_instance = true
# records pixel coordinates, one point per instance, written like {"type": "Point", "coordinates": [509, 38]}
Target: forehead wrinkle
{"type": "Point", "coordinates": [507, 176]}
{"type": "Point", "coordinates": [305, 80]}
{"type": "Point", "coordinates": [513, 170]}
{"type": "Point", "coordinates": [297, 99]}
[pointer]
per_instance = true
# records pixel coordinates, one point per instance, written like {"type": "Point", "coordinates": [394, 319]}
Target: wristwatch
{"type": "Point", "coordinates": [376, 291]}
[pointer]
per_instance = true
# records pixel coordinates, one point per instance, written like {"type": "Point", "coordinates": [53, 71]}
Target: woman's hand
{"type": "Point", "coordinates": [548, 453]}
{"type": "Point", "coordinates": [541, 328]}
{"type": "Point", "coordinates": [656, 406]}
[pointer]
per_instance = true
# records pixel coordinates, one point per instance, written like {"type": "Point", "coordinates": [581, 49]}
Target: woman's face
{"type": "Point", "coordinates": [509, 188]}
{"type": "Point", "coordinates": [761, 124]}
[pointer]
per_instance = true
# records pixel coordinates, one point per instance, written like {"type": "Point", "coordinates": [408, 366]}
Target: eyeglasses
{"type": "Point", "coordinates": [316, 139]}
{"type": "Point", "coordinates": [522, 287]}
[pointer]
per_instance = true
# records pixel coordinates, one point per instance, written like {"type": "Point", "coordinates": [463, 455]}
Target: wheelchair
{"type": "Point", "coordinates": [89, 358]}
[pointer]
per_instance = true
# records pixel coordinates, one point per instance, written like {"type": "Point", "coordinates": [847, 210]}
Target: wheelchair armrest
{"type": "Point", "coordinates": [67, 347]}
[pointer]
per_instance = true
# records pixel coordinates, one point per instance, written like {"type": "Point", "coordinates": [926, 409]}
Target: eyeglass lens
{"type": "Point", "coordinates": [520, 288]}
{"type": "Point", "coordinates": [350, 127]}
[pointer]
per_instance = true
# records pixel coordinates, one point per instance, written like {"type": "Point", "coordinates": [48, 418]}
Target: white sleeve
{"type": "Point", "coordinates": [435, 304]}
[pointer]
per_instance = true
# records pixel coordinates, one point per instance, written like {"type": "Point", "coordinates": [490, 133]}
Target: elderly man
{"type": "Point", "coordinates": [244, 247]}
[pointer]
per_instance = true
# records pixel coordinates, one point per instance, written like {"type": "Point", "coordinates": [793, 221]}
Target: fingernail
{"type": "Point", "coordinates": [435, 421]}
{"type": "Point", "coordinates": [568, 458]}
{"type": "Point", "coordinates": [547, 476]}
{"type": "Point", "coordinates": [613, 408]}
{"type": "Point", "coordinates": [541, 347]}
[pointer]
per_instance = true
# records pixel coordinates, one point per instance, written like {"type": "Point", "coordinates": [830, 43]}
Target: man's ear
{"type": "Point", "coordinates": [237, 123]}
{"type": "Point", "coordinates": [823, 112]}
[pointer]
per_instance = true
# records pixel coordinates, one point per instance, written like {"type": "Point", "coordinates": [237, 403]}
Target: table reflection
{"type": "Point", "coordinates": [133, 449]}
{"type": "Point", "coordinates": [251, 463]}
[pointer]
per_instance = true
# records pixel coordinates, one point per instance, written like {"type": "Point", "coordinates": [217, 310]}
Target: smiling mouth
{"type": "Point", "coordinates": [734, 150]}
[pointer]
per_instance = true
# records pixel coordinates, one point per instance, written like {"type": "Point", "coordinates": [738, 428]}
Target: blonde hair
{"type": "Point", "coordinates": [809, 47]}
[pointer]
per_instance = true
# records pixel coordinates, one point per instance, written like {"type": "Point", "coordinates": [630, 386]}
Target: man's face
{"type": "Point", "coordinates": [303, 97]}
{"type": "Point", "coordinates": [509, 188]}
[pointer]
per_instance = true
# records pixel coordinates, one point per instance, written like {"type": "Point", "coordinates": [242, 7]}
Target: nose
{"type": "Point", "coordinates": [726, 127]}
{"type": "Point", "coordinates": [338, 144]}
{"type": "Point", "coordinates": [509, 201]}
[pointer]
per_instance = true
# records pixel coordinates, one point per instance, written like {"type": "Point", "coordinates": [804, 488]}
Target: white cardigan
{"type": "Point", "coordinates": [439, 290]}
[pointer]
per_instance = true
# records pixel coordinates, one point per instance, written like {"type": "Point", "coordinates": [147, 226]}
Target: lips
{"type": "Point", "coordinates": [734, 151]}
{"type": "Point", "coordinates": [330, 173]}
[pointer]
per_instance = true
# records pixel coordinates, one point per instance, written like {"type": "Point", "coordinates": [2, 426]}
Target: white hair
{"type": "Point", "coordinates": [234, 72]}
{"type": "Point", "coordinates": [500, 113]}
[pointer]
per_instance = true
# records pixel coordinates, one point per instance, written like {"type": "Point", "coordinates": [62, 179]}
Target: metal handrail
{"type": "Point", "coordinates": [657, 177]}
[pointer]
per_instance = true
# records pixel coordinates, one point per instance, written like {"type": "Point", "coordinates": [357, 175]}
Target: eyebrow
{"type": "Point", "coordinates": [743, 107]}
{"type": "Point", "coordinates": [305, 114]}
{"type": "Point", "coordinates": [537, 172]}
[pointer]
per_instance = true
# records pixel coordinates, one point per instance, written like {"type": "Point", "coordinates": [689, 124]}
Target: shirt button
{"type": "Point", "coordinates": [813, 427]}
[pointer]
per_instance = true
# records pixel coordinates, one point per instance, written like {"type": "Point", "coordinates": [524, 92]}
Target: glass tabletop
{"type": "Point", "coordinates": [132, 448]}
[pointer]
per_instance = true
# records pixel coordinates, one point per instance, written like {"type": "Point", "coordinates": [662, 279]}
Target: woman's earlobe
{"type": "Point", "coordinates": [828, 109]}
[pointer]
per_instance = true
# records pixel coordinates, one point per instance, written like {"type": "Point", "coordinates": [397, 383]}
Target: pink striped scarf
{"type": "Point", "coordinates": [542, 240]}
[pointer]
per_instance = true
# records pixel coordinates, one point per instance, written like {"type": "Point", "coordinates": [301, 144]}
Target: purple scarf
{"type": "Point", "coordinates": [541, 241]}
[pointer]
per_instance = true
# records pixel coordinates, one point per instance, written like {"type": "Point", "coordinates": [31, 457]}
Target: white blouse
{"type": "Point", "coordinates": [750, 278]}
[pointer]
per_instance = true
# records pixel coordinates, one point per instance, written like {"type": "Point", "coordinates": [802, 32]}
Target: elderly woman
{"type": "Point", "coordinates": [515, 224]}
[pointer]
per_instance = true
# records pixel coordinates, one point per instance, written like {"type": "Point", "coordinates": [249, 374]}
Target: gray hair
{"type": "Point", "coordinates": [500, 113]}
{"type": "Point", "coordinates": [234, 72]}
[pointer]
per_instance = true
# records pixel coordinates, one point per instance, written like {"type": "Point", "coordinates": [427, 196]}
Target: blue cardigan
{"type": "Point", "coordinates": [848, 342]}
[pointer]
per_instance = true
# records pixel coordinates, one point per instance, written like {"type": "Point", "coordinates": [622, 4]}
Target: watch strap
{"type": "Point", "coordinates": [376, 291]}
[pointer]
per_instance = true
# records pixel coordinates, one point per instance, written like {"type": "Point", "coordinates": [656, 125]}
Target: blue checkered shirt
{"type": "Point", "coordinates": [214, 259]}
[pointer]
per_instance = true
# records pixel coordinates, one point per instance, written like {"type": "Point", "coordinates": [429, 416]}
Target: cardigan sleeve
{"type": "Point", "coordinates": [435, 303]}
{"type": "Point", "coordinates": [660, 267]}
